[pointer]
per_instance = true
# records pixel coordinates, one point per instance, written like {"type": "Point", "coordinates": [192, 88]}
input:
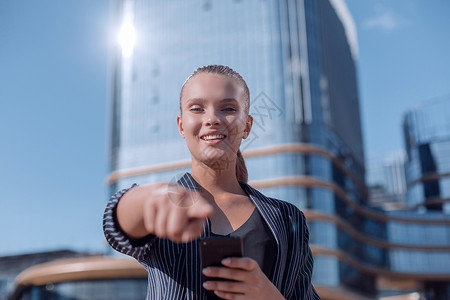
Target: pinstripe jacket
{"type": "Point", "coordinates": [174, 270]}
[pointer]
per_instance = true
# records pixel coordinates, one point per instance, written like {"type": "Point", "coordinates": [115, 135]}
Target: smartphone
{"type": "Point", "coordinates": [213, 250]}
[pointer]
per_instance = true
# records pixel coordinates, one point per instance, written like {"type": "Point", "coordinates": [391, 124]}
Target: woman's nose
{"type": "Point", "coordinates": [211, 118]}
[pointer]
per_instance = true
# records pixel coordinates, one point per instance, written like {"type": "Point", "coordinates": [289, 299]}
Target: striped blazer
{"type": "Point", "coordinates": [174, 270]}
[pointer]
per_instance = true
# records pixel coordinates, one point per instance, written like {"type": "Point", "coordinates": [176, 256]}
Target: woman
{"type": "Point", "coordinates": [160, 224]}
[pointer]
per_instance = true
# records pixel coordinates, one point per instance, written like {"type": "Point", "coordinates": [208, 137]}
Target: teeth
{"type": "Point", "coordinates": [213, 137]}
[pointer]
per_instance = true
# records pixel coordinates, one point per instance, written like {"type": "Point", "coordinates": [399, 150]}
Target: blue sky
{"type": "Point", "coordinates": [54, 92]}
{"type": "Point", "coordinates": [404, 60]}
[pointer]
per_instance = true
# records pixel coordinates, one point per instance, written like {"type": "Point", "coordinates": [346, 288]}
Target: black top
{"type": "Point", "coordinates": [258, 242]}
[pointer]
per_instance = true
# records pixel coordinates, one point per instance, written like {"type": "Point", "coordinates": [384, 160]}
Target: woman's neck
{"type": "Point", "coordinates": [232, 206]}
{"type": "Point", "coordinates": [217, 182]}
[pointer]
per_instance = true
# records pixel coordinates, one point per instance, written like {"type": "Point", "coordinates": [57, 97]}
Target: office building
{"type": "Point", "coordinates": [411, 189]}
{"type": "Point", "coordinates": [385, 179]}
{"type": "Point", "coordinates": [427, 139]}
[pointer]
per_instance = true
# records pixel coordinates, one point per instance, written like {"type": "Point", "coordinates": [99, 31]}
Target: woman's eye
{"type": "Point", "coordinates": [229, 109]}
{"type": "Point", "coordinates": [195, 108]}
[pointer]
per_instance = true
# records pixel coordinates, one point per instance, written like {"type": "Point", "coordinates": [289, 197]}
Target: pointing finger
{"type": "Point", "coordinates": [193, 230]}
{"type": "Point", "coordinates": [200, 209]}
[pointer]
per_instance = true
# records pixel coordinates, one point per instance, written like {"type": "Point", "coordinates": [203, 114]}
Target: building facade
{"type": "Point", "coordinates": [298, 59]}
{"type": "Point", "coordinates": [427, 139]}
{"type": "Point", "coordinates": [411, 187]}
{"type": "Point", "coordinates": [385, 179]}
{"type": "Point", "coordinates": [427, 171]}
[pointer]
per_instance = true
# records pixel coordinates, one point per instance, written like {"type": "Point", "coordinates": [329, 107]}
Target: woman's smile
{"type": "Point", "coordinates": [213, 138]}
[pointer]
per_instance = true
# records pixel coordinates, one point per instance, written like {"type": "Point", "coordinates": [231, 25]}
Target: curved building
{"type": "Point", "coordinates": [427, 169]}
{"type": "Point", "coordinates": [298, 58]}
{"type": "Point", "coordinates": [427, 139]}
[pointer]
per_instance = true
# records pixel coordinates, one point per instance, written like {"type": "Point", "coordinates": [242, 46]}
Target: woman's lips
{"type": "Point", "coordinates": [210, 137]}
{"type": "Point", "coordinates": [213, 139]}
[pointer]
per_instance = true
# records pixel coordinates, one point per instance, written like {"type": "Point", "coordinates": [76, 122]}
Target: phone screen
{"type": "Point", "coordinates": [213, 250]}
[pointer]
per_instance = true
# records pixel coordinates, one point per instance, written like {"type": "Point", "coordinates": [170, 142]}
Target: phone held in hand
{"type": "Point", "coordinates": [214, 250]}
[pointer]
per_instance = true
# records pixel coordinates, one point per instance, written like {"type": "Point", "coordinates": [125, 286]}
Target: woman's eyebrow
{"type": "Point", "coordinates": [228, 100]}
{"type": "Point", "coordinates": [190, 101]}
{"type": "Point", "coordinates": [195, 100]}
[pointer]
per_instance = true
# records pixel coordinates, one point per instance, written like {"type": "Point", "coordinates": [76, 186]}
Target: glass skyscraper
{"type": "Point", "coordinates": [427, 140]}
{"type": "Point", "coordinates": [298, 59]}
{"type": "Point", "coordinates": [418, 227]}
{"type": "Point", "coordinates": [385, 178]}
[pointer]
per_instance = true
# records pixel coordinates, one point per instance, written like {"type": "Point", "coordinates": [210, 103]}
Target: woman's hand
{"type": "Point", "coordinates": [165, 210]}
{"type": "Point", "coordinates": [250, 282]}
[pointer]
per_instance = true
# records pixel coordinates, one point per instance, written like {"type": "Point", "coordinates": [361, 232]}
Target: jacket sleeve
{"type": "Point", "coordinates": [304, 288]}
{"type": "Point", "coordinates": [117, 238]}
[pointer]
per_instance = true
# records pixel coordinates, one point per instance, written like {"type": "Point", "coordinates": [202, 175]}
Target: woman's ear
{"type": "Point", "coordinates": [248, 126]}
{"type": "Point", "coordinates": [180, 126]}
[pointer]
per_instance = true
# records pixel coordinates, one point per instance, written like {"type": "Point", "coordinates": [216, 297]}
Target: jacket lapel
{"type": "Point", "coordinates": [193, 270]}
{"type": "Point", "coordinates": [270, 212]}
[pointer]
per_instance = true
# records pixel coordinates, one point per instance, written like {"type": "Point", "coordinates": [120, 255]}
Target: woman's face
{"type": "Point", "coordinates": [213, 118]}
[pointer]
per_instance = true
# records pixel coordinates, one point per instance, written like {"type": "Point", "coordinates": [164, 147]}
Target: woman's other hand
{"type": "Point", "coordinates": [250, 282]}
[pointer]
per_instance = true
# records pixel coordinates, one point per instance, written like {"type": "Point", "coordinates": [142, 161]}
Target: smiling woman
{"type": "Point", "coordinates": [161, 224]}
{"type": "Point", "coordinates": [214, 106]}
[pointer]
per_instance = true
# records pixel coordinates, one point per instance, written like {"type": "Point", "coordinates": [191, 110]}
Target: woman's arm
{"type": "Point", "coordinates": [162, 210]}
{"type": "Point", "coordinates": [304, 288]}
{"type": "Point", "coordinates": [165, 210]}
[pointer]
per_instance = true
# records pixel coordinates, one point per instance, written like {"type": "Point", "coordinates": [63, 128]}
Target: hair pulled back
{"type": "Point", "coordinates": [241, 168]}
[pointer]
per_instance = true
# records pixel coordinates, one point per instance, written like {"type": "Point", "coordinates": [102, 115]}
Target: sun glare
{"type": "Point", "coordinates": [127, 37]}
